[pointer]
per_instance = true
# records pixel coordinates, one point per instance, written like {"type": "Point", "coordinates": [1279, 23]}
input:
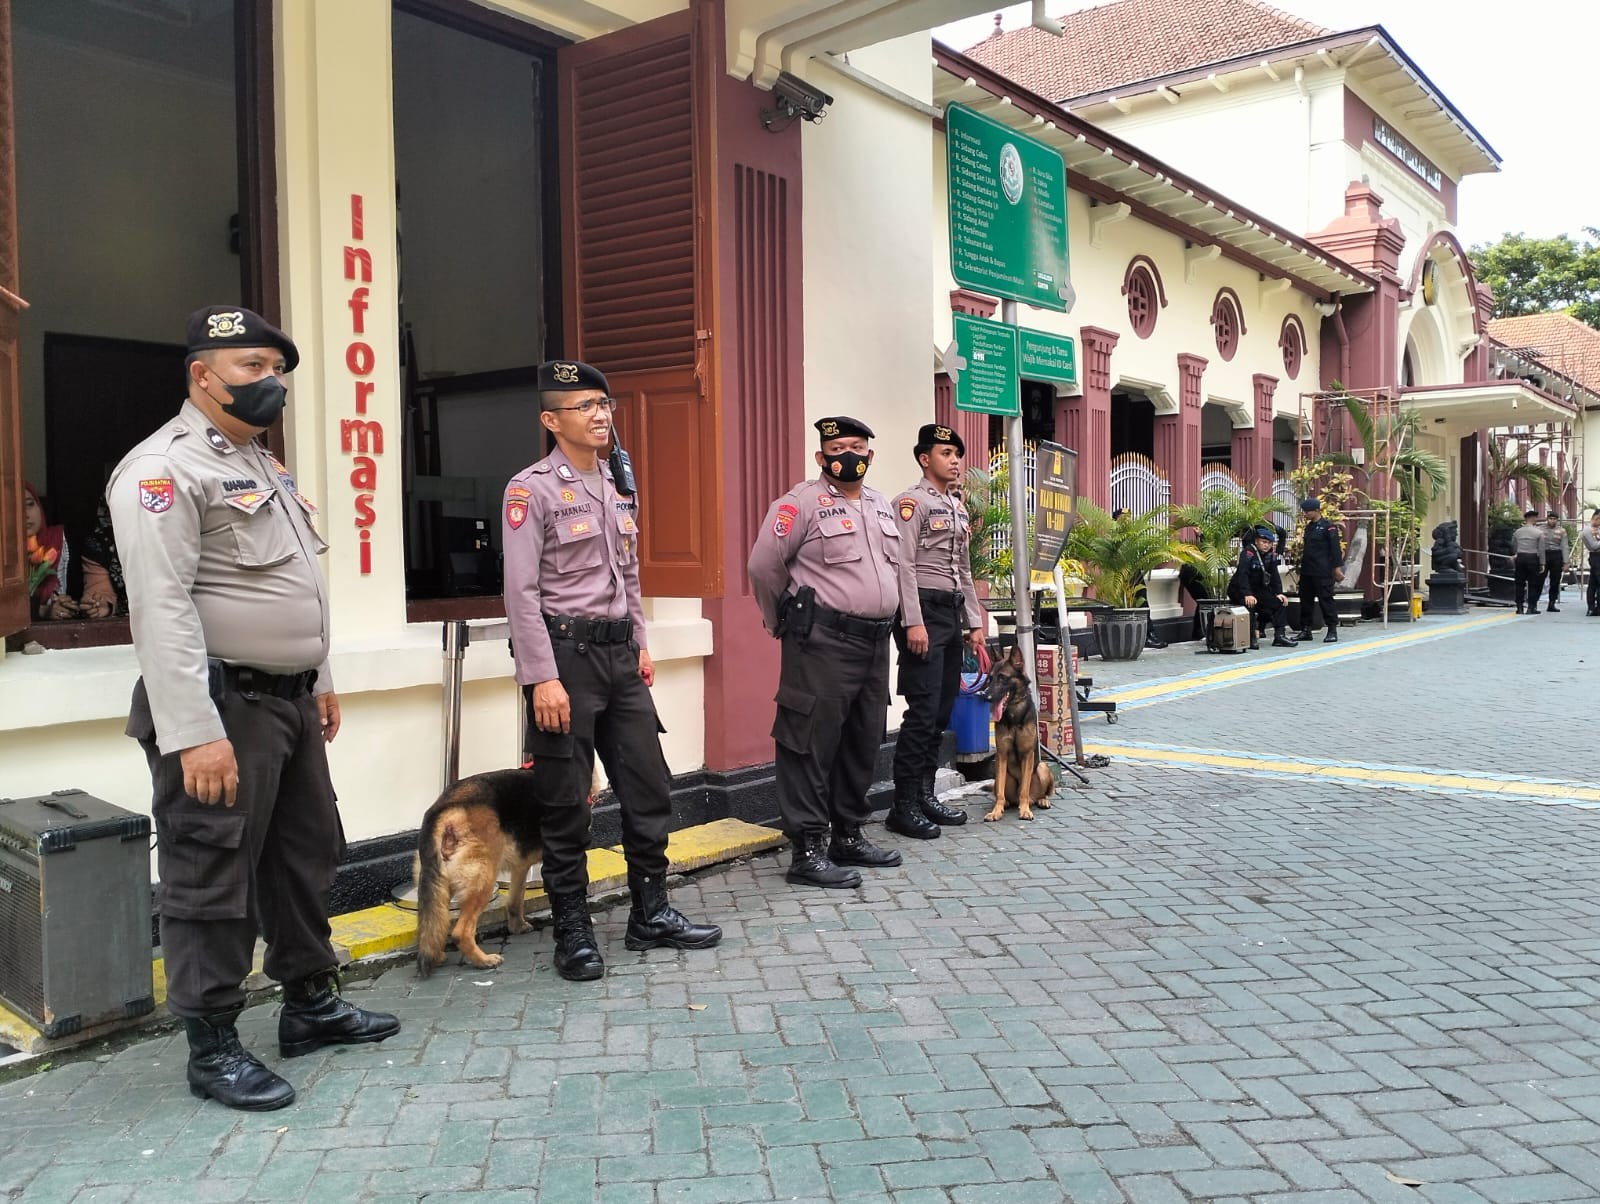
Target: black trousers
{"type": "Point", "coordinates": [1270, 612]}
{"type": "Point", "coordinates": [1554, 565]}
{"type": "Point", "coordinates": [613, 715]}
{"type": "Point", "coordinates": [1529, 579]}
{"type": "Point", "coordinates": [1594, 582]}
{"type": "Point", "coordinates": [929, 684]}
{"type": "Point", "coordinates": [833, 701]}
{"type": "Point", "coordinates": [1315, 589]}
{"type": "Point", "coordinates": [264, 865]}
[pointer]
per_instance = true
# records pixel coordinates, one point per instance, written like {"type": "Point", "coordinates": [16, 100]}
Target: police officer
{"type": "Point", "coordinates": [825, 571]}
{"type": "Point", "coordinates": [939, 616]}
{"type": "Point", "coordinates": [1321, 566]}
{"type": "Point", "coordinates": [1256, 584]}
{"type": "Point", "coordinates": [571, 546]}
{"type": "Point", "coordinates": [1527, 551]}
{"type": "Point", "coordinates": [1555, 558]}
{"type": "Point", "coordinates": [230, 625]}
{"type": "Point", "coordinates": [1591, 543]}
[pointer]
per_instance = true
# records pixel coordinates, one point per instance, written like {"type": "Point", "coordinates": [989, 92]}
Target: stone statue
{"type": "Point", "coordinates": [1446, 549]}
{"type": "Point", "coordinates": [1355, 559]}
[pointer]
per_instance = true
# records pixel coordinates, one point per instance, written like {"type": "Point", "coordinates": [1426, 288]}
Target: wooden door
{"type": "Point", "coordinates": [13, 564]}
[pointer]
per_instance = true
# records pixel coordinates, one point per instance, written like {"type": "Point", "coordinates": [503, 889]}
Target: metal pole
{"type": "Point", "coordinates": [1020, 577]}
{"type": "Point", "coordinates": [455, 648]}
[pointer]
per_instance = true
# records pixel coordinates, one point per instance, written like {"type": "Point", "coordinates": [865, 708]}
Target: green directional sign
{"type": "Point", "coordinates": [1007, 204]}
{"type": "Point", "coordinates": [1048, 357]}
{"type": "Point", "coordinates": [984, 367]}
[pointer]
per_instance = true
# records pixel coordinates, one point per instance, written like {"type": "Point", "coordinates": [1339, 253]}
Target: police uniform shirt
{"type": "Point", "coordinates": [934, 537]}
{"type": "Point", "coordinates": [218, 552]}
{"type": "Point", "coordinates": [1321, 552]}
{"type": "Point", "coordinates": [571, 548]}
{"type": "Point", "coordinates": [1591, 540]}
{"type": "Point", "coordinates": [815, 536]}
{"type": "Point", "coordinates": [1555, 540]}
{"type": "Point", "coordinates": [1528, 540]}
{"type": "Point", "coordinates": [1256, 575]}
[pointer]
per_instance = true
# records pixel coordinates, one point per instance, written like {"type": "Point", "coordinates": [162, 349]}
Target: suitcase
{"type": "Point", "coordinates": [1230, 629]}
{"type": "Point", "coordinates": [74, 911]}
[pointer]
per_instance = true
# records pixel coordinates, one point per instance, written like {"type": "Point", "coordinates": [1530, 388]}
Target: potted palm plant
{"type": "Point", "coordinates": [1117, 555]}
{"type": "Point", "coordinates": [1217, 521]}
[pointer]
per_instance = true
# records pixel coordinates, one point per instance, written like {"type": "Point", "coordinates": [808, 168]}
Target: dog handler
{"type": "Point", "coordinates": [230, 625]}
{"type": "Point", "coordinates": [577, 631]}
{"type": "Point", "coordinates": [939, 616]}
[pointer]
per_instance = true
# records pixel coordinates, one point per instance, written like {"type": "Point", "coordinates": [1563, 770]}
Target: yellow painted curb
{"type": "Point", "coordinates": [386, 928]}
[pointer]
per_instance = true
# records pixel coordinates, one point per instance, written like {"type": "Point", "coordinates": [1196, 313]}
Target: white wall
{"type": "Point", "coordinates": [126, 178]}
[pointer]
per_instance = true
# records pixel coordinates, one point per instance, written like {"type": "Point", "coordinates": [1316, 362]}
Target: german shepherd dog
{"type": "Point", "coordinates": [475, 827]}
{"type": "Point", "coordinates": [1021, 778]}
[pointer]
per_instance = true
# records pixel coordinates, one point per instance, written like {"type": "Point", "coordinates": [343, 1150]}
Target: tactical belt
{"type": "Point", "coordinates": [242, 679]}
{"type": "Point", "coordinates": [853, 625]}
{"type": "Point", "coordinates": [589, 631]}
{"type": "Point", "coordinates": [948, 597]}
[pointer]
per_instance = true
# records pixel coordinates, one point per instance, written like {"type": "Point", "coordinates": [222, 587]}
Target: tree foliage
{"type": "Point", "coordinates": [1540, 275]}
{"type": "Point", "coordinates": [1219, 520]}
{"type": "Point", "coordinates": [1117, 554]}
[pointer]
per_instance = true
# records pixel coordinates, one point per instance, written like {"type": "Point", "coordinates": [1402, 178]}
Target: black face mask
{"type": "Point", "coordinates": [846, 467]}
{"type": "Point", "coordinates": [258, 403]}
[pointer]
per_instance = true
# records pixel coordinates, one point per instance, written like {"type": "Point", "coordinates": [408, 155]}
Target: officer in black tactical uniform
{"type": "Point", "coordinates": [1321, 566]}
{"type": "Point", "coordinates": [1256, 584]}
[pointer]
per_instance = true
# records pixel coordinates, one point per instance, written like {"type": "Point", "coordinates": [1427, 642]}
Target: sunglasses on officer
{"type": "Point", "coordinates": [587, 406]}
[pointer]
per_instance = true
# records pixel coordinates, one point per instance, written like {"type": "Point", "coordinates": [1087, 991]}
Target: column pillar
{"type": "Point", "coordinates": [1083, 423]}
{"type": "Point", "coordinates": [1252, 446]}
{"type": "Point", "coordinates": [1177, 436]}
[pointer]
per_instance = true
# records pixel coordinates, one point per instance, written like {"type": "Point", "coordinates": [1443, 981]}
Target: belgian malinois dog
{"type": "Point", "coordinates": [475, 827]}
{"type": "Point", "coordinates": [1021, 779]}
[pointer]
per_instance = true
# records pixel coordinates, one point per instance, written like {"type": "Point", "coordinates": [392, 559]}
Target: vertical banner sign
{"type": "Point", "coordinates": [1055, 509]}
{"type": "Point", "coordinates": [360, 438]}
{"type": "Point", "coordinates": [984, 366]}
{"type": "Point", "coordinates": [1008, 211]}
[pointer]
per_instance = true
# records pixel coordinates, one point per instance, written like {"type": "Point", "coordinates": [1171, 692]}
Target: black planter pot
{"type": "Point", "coordinates": [1121, 633]}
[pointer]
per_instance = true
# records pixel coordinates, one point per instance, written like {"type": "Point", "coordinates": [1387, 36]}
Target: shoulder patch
{"type": "Point", "coordinates": [155, 494]}
{"type": "Point", "coordinates": [516, 512]}
{"type": "Point", "coordinates": [784, 523]}
{"type": "Point", "coordinates": [908, 507]}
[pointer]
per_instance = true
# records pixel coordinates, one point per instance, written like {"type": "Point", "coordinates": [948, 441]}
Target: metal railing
{"type": "Point", "coordinates": [458, 636]}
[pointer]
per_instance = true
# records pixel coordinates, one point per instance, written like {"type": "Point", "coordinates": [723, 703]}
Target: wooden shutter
{"type": "Point", "coordinates": [634, 143]}
{"type": "Point", "coordinates": [13, 564]}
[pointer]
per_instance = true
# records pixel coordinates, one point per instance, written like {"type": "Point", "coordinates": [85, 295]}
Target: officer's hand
{"type": "Point", "coordinates": [1250, 601]}
{"type": "Point", "coordinates": [1282, 599]}
{"type": "Point", "coordinates": [917, 640]}
{"type": "Point", "coordinates": [975, 640]}
{"type": "Point", "coordinates": [1338, 574]}
{"type": "Point", "coordinates": [552, 711]}
{"type": "Point", "coordinates": [210, 774]}
{"type": "Point", "coordinates": [647, 668]}
{"type": "Point", "coordinates": [328, 712]}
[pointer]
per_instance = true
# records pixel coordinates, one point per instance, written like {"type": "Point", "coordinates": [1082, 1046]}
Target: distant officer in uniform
{"type": "Point", "coordinates": [1527, 551]}
{"type": "Point", "coordinates": [939, 617]}
{"type": "Point", "coordinates": [1321, 566]}
{"type": "Point", "coordinates": [1591, 544]}
{"type": "Point", "coordinates": [826, 573]}
{"type": "Point", "coordinates": [1555, 557]}
{"type": "Point", "coordinates": [230, 624]}
{"type": "Point", "coordinates": [577, 631]}
{"type": "Point", "coordinates": [1256, 584]}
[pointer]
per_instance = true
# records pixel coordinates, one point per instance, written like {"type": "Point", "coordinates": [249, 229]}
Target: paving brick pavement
{"type": "Point", "coordinates": [1174, 985]}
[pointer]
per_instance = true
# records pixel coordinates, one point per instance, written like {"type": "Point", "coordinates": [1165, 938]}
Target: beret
{"type": "Point", "coordinates": [570, 376]}
{"type": "Point", "coordinates": [840, 427]}
{"type": "Point", "coordinates": [1310, 504]}
{"type": "Point", "coordinates": [219, 326]}
{"type": "Point", "coordinates": [933, 433]}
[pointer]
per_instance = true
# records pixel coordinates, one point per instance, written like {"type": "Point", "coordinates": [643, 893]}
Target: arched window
{"type": "Point", "coordinates": [1292, 342]}
{"type": "Point", "coordinates": [1141, 285]}
{"type": "Point", "coordinates": [1227, 322]}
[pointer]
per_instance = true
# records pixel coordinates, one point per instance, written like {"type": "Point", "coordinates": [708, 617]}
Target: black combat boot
{"type": "Point", "coordinates": [933, 808]}
{"type": "Point", "coordinates": [653, 923]}
{"type": "Point", "coordinates": [905, 816]}
{"type": "Point", "coordinates": [811, 866]}
{"type": "Point", "coordinates": [222, 1069]}
{"type": "Point", "coordinates": [849, 847]}
{"type": "Point", "coordinates": [315, 1014]}
{"type": "Point", "coordinates": [1280, 640]}
{"type": "Point", "coordinates": [1304, 636]}
{"type": "Point", "coordinates": [1332, 637]}
{"type": "Point", "coordinates": [577, 954]}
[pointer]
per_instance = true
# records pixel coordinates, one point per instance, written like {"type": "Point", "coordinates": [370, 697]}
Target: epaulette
{"type": "Point", "coordinates": [542, 466]}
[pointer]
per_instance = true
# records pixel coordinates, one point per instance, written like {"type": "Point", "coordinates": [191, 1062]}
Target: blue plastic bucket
{"type": "Point", "coordinates": [969, 718]}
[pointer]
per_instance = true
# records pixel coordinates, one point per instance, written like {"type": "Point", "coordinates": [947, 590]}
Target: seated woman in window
{"type": "Point", "coordinates": [47, 558]}
{"type": "Point", "coordinates": [103, 592]}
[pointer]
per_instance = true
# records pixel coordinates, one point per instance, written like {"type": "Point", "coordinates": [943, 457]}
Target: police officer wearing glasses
{"type": "Point", "coordinates": [939, 619]}
{"type": "Point", "coordinates": [825, 571]}
{"type": "Point", "coordinates": [234, 710]}
{"type": "Point", "coordinates": [572, 598]}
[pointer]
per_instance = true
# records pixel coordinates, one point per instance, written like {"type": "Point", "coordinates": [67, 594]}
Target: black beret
{"type": "Point", "coordinates": [1530, 514]}
{"type": "Point", "coordinates": [219, 326]}
{"type": "Point", "coordinates": [933, 433]}
{"type": "Point", "coordinates": [1310, 504]}
{"type": "Point", "coordinates": [570, 376]}
{"type": "Point", "coordinates": [840, 427]}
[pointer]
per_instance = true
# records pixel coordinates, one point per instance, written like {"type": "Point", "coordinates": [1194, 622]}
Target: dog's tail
{"type": "Point", "coordinates": [436, 844]}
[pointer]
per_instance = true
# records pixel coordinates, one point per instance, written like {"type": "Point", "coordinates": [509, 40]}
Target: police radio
{"type": "Point", "coordinates": [621, 470]}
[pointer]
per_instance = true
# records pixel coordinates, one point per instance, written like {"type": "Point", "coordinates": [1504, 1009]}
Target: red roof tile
{"type": "Point", "coordinates": [1558, 340]}
{"type": "Point", "coordinates": [1131, 40]}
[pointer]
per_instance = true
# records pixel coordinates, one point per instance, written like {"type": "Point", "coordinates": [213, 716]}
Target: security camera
{"type": "Point", "coordinates": [793, 98]}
